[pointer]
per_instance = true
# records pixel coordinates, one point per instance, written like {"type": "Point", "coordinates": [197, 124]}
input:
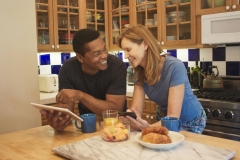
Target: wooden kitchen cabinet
{"type": "Point", "coordinates": [148, 13]}
{"type": "Point", "coordinates": [97, 17]}
{"type": "Point", "coordinates": [44, 118]}
{"type": "Point", "coordinates": [58, 21]}
{"type": "Point", "coordinates": [178, 24]}
{"type": "Point", "coordinates": [216, 6]}
{"type": "Point", "coordinates": [180, 33]}
{"type": "Point", "coordinates": [149, 110]}
{"type": "Point", "coordinates": [120, 17]}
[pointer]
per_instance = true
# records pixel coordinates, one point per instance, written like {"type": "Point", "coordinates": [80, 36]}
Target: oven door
{"type": "Point", "coordinates": [222, 132]}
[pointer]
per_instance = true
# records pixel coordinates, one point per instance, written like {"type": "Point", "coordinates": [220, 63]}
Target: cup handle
{"type": "Point", "coordinates": [77, 125]}
{"type": "Point", "coordinates": [179, 124]}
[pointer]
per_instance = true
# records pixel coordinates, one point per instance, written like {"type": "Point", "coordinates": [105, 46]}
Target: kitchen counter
{"type": "Point", "coordinates": [36, 143]}
{"type": "Point", "coordinates": [49, 98]}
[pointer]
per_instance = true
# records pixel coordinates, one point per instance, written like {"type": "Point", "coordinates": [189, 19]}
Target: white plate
{"type": "Point", "coordinates": [175, 137]}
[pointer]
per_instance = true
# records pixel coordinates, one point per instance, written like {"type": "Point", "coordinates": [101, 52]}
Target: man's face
{"type": "Point", "coordinates": [95, 58]}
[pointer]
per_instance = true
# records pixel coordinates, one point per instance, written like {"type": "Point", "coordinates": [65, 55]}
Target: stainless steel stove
{"type": "Point", "coordinates": [222, 107]}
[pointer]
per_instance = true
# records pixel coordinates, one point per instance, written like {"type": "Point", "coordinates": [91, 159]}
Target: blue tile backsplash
{"type": "Point", "coordinates": [45, 59]}
{"type": "Point", "coordinates": [219, 54]}
{"type": "Point", "coordinates": [227, 59]}
{"type": "Point", "coordinates": [193, 55]}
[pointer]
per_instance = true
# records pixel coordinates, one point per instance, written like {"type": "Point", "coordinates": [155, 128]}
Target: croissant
{"type": "Point", "coordinates": [160, 130]}
{"type": "Point", "coordinates": [156, 138]}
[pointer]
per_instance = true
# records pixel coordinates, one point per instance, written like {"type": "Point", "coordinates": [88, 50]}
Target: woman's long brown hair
{"type": "Point", "coordinates": [137, 34]}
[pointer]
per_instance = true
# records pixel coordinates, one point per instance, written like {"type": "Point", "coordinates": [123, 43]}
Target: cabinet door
{"type": "Point", "coordinates": [147, 13]}
{"type": "Point", "coordinates": [97, 18]}
{"type": "Point", "coordinates": [120, 17]}
{"type": "Point", "coordinates": [44, 23]}
{"type": "Point", "coordinates": [66, 23]}
{"type": "Point", "coordinates": [235, 5]}
{"type": "Point", "coordinates": [216, 6]}
{"type": "Point", "coordinates": [178, 24]}
{"type": "Point", "coordinates": [146, 116]}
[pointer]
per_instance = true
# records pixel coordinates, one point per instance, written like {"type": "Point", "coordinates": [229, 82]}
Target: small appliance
{"type": "Point", "coordinates": [48, 83]}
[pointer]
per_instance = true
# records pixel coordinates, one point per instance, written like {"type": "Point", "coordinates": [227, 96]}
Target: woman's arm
{"type": "Point", "coordinates": [137, 107]}
{"type": "Point", "coordinates": [138, 100]}
{"type": "Point", "coordinates": [175, 100]}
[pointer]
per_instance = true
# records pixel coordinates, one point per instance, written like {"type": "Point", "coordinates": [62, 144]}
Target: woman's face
{"type": "Point", "coordinates": [136, 54]}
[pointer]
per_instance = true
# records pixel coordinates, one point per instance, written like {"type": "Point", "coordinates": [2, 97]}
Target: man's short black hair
{"type": "Point", "coordinates": [82, 37]}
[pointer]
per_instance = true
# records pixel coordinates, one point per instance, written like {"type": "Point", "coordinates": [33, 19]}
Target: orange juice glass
{"type": "Point", "coordinates": [110, 117]}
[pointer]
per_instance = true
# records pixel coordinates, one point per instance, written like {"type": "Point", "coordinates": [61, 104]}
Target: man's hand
{"type": "Point", "coordinates": [67, 96]}
{"type": "Point", "coordinates": [55, 120]}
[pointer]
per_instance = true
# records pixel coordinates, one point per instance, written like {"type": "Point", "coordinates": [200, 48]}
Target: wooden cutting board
{"type": "Point", "coordinates": [96, 148]}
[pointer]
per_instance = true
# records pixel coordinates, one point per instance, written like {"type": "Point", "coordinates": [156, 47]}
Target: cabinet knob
{"type": "Point", "coordinates": [151, 117]}
{"type": "Point", "coordinates": [162, 43]}
{"type": "Point", "coordinates": [227, 7]}
{"type": "Point", "coordinates": [147, 116]}
{"type": "Point", "coordinates": [57, 46]}
{"type": "Point", "coordinates": [52, 46]}
{"type": "Point", "coordinates": [234, 7]}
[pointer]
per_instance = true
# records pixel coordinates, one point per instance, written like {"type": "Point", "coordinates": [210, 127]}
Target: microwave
{"type": "Point", "coordinates": [221, 28]}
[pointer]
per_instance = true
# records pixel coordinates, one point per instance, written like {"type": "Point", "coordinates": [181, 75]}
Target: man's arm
{"type": "Point", "coordinates": [112, 102]}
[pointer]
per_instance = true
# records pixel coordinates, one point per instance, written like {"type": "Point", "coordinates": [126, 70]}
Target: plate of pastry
{"type": "Point", "coordinates": [159, 138]}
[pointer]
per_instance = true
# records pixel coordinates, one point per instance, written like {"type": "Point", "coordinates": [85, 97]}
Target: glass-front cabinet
{"type": "Point", "coordinates": [178, 23]}
{"type": "Point", "coordinates": [59, 20]}
{"type": "Point", "coordinates": [216, 6]}
{"type": "Point", "coordinates": [147, 13]}
{"type": "Point", "coordinates": [96, 17]}
{"type": "Point", "coordinates": [44, 23]}
{"type": "Point", "coordinates": [120, 17]}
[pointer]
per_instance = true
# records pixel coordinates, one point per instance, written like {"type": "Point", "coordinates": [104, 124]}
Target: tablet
{"type": "Point", "coordinates": [64, 110]}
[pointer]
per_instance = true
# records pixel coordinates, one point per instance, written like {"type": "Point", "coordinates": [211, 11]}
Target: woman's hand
{"type": "Point", "coordinates": [138, 123]}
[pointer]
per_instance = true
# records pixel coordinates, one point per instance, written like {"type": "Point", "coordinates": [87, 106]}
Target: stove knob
{"type": "Point", "coordinates": [207, 111]}
{"type": "Point", "coordinates": [216, 113]}
{"type": "Point", "coordinates": [229, 115]}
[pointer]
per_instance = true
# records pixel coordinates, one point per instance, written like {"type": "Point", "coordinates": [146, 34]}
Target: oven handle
{"type": "Point", "coordinates": [229, 134]}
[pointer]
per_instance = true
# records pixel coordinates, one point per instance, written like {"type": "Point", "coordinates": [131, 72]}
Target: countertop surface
{"type": "Point", "coordinates": [37, 143]}
{"type": "Point", "coordinates": [49, 98]}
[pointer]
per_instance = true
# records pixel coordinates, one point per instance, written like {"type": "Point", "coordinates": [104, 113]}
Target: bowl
{"type": "Point", "coordinates": [148, 6]}
{"type": "Point", "coordinates": [115, 132]}
{"type": "Point", "coordinates": [176, 16]}
{"type": "Point", "coordinates": [217, 3]}
{"type": "Point", "coordinates": [150, 21]}
{"type": "Point", "coordinates": [174, 1]}
{"type": "Point", "coordinates": [170, 38]}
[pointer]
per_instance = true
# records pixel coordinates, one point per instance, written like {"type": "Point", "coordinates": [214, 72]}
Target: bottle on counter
{"type": "Point", "coordinates": [196, 76]}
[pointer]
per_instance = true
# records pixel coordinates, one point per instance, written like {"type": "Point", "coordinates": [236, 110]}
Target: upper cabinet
{"type": "Point", "coordinates": [58, 21]}
{"type": "Point", "coordinates": [148, 13]}
{"type": "Point", "coordinates": [173, 24]}
{"type": "Point", "coordinates": [96, 17]}
{"type": "Point", "coordinates": [178, 23]}
{"type": "Point", "coordinates": [120, 17]}
{"type": "Point", "coordinates": [216, 6]}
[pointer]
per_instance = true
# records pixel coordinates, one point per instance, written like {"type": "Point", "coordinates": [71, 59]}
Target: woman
{"type": "Point", "coordinates": [162, 78]}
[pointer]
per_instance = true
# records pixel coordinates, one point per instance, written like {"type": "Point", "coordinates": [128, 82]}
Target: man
{"type": "Point", "coordinates": [94, 78]}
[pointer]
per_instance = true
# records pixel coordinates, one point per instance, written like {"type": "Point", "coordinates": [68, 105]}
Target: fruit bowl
{"type": "Point", "coordinates": [115, 132]}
